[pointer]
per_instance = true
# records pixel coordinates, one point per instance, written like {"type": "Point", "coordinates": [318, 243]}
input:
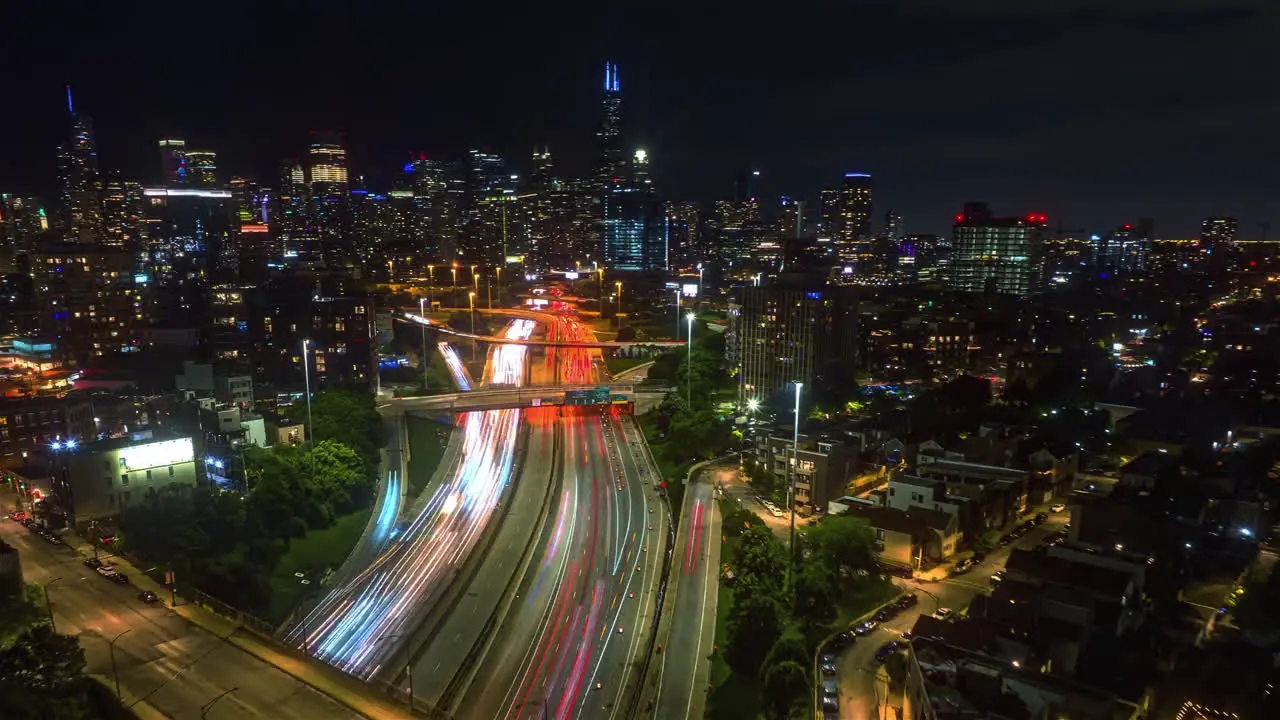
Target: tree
{"type": "Point", "coordinates": [784, 683]}
{"type": "Point", "coordinates": [760, 561]}
{"type": "Point", "coordinates": [789, 648]}
{"type": "Point", "coordinates": [754, 624]}
{"type": "Point", "coordinates": [842, 541]}
{"type": "Point", "coordinates": [348, 417]}
{"type": "Point", "coordinates": [19, 613]}
{"type": "Point", "coordinates": [737, 519]}
{"type": "Point", "coordinates": [816, 593]}
{"type": "Point", "coordinates": [43, 660]}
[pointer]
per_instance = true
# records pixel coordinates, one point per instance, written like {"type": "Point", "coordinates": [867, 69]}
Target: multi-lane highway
{"type": "Point", "coordinates": [363, 622]}
{"type": "Point", "coordinates": [573, 645]}
{"type": "Point", "coordinates": [163, 660]}
{"type": "Point", "coordinates": [684, 669]}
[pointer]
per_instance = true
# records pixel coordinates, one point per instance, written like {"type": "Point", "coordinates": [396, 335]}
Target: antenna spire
{"type": "Point", "coordinates": [71, 108]}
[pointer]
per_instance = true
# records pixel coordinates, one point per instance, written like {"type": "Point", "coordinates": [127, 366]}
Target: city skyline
{"type": "Point", "coordinates": [1083, 147]}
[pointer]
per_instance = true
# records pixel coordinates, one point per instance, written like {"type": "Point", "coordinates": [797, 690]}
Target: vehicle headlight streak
{"type": "Point", "coordinates": [388, 599]}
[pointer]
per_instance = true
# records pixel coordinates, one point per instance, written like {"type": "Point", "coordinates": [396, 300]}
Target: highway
{"type": "Point", "coordinates": [359, 625]}
{"type": "Point", "coordinates": [684, 674]}
{"type": "Point", "coordinates": [175, 666]}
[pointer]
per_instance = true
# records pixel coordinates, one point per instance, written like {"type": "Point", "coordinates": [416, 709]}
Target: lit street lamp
{"type": "Point", "coordinates": [689, 366]}
{"type": "Point", "coordinates": [431, 280]}
{"type": "Point", "coordinates": [309, 435]}
{"type": "Point", "coordinates": [423, 312]}
{"type": "Point", "coordinates": [791, 486]}
{"type": "Point", "coordinates": [454, 270]}
{"type": "Point", "coordinates": [618, 313]}
{"type": "Point", "coordinates": [677, 313]}
{"type": "Point", "coordinates": [111, 648]}
{"type": "Point", "coordinates": [475, 278]}
{"type": "Point", "coordinates": [48, 608]}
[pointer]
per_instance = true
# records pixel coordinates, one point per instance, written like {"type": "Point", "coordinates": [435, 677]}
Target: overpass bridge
{"type": "Point", "coordinates": [496, 398]}
{"type": "Point", "coordinates": [542, 317]}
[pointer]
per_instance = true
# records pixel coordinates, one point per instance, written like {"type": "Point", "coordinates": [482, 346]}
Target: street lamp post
{"type": "Point", "coordinates": [111, 648]}
{"type": "Point", "coordinates": [423, 313]}
{"type": "Point", "coordinates": [699, 281]}
{"type": "Point", "coordinates": [310, 434]}
{"type": "Point", "coordinates": [454, 270]}
{"type": "Point", "coordinates": [618, 313]}
{"type": "Point", "coordinates": [677, 314]}
{"type": "Point", "coordinates": [431, 280]}
{"type": "Point", "coordinates": [475, 279]}
{"type": "Point", "coordinates": [791, 486]}
{"type": "Point", "coordinates": [205, 708]}
{"type": "Point", "coordinates": [688, 381]}
{"type": "Point", "coordinates": [48, 608]}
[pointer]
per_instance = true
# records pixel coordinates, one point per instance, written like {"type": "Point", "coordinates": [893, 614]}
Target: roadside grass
{"type": "Point", "coordinates": [312, 555]}
{"type": "Point", "coordinates": [617, 365]}
{"type": "Point", "coordinates": [427, 442]}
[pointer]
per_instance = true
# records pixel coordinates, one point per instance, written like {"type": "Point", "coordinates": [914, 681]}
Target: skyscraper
{"type": "Point", "coordinates": [80, 186]}
{"type": "Point", "coordinates": [853, 219]}
{"type": "Point", "coordinates": [1217, 234]}
{"type": "Point", "coordinates": [635, 222]}
{"type": "Point", "coordinates": [1123, 250]}
{"type": "Point", "coordinates": [611, 158]}
{"type": "Point", "coordinates": [202, 168]}
{"type": "Point", "coordinates": [122, 212]}
{"type": "Point", "coordinates": [173, 161]}
{"type": "Point", "coordinates": [992, 254]}
{"type": "Point", "coordinates": [327, 166]}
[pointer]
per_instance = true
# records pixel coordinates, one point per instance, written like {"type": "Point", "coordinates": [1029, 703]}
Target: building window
{"type": "Point", "coordinates": [148, 474]}
{"type": "Point", "coordinates": [106, 465]}
{"type": "Point", "coordinates": [170, 471]}
{"type": "Point", "coordinates": [124, 480]}
{"type": "Point", "coordinates": [108, 479]}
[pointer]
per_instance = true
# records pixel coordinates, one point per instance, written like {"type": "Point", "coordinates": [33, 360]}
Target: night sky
{"type": "Point", "coordinates": [1096, 113]}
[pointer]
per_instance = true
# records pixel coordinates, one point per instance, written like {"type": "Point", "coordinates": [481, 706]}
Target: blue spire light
{"type": "Point", "coordinates": [70, 107]}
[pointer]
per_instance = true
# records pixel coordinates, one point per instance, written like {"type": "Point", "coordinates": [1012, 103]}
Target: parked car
{"type": "Point", "coordinates": [865, 627]}
{"type": "Point", "coordinates": [830, 703]}
{"type": "Point", "coordinates": [842, 640]}
{"type": "Point", "coordinates": [886, 613]}
{"type": "Point", "coordinates": [979, 556]}
{"type": "Point", "coordinates": [908, 600]}
{"type": "Point", "coordinates": [1040, 518]}
{"type": "Point", "coordinates": [93, 563]}
{"type": "Point", "coordinates": [830, 688]}
{"type": "Point", "coordinates": [944, 613]}
{"type": "Point", "coordinates": [105, 570]}
{"type": "Point", "coordinates": [148, 597]}
{"type": "Point", "coordinates": [887, 649]}
{"type": "Point", "coordinates": [997, 577]}
{"type": "Point", "coordinates": [962, 567]}
{"type": "Point", "coordinates": [828, 669]}
{"type": "Point", "coordinates": [17, 516]}
{"type": "Point", "coordinates": [1057, 507]}
{"type": "Point", "coordinates": [119, 578]}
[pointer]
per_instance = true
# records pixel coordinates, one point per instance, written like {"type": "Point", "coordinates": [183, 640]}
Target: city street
{"type": "Point", "coordinates": [861, 693]}
{"type": "Point", "coordinates": [172, 665]}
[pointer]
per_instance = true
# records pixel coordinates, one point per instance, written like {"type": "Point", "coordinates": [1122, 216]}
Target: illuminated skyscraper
{"type": "Point", "coordinates": [80, 186]}
{"type": "Point", "coordinates": [202, 168]}
{"type": "Point", "coordinates": [173, 161]}
{"type": "Point", "coordinates": [611, 158]}
{"type": "Point", "coordinates": [24, 219]}
{"type": "Point", "coordinates": [635, 222]}
{"type": "Point", "coordinates": [991, 254]}
{"type": "Point", "coordinates": [853, 219]}
{"type": "Point", "coordinates": [327, 166]}
{"type": "Point", "coordinates": [1217, 233]}
{"type": "Point", "coordinates": [122, 212]}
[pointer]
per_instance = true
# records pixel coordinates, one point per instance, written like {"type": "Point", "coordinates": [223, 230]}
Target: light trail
{"type": "Point", "coordinates": [456, 368]}
{"type": "Point", "coordinates": [347, 626]}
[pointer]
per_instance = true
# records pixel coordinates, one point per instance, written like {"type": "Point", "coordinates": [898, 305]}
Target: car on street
{"type": "Point", "coordinates": [979, 556]}
{"type": "Point", "coordinates": [119, 578]}
{"type": "Point", "coordinates": [944, 613]}
{"type": "Point", "coordinates": [830, 703]}
{"type": "Point", "coordinates": [887, 649]}
{"type": "Point", "coordinates": [865, 627]}
{"type": "Point", "coordinates": [997, 577]}
{"type": "Point", "coordinates": [830, 691]}
{"type": "Point", "coordinates": [908, 600]}
{"type": "Point", "coordinates": [887, 613]}
{"type": "Point", "coordinates": [17, 516]}
{"type": "Point", "coordinates": [829, 669]}
{"type": "Point", "coordinates": [148, 597]}
{"type": "Point", "coordinates": [842, 640]}
{"type": "Point", "coordinates": [1040, 518]}
{"type": "Point", "coordinates": [962, 567]}
{"type": "Point", "coordinates": [93, 563]}
{"type": "Point", "coordinates": [105, 570]}
{"type": "Point", "coordinates": [1057, 507]}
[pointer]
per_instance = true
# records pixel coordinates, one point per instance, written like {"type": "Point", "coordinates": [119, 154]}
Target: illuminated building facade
{"type": "Point", "coordinates": [635, 222]}
{"type": "Point", "coordinates": [611, 157]}
{"type": "Point", "coordinates": [173, 161]}
{"type": "Point", "coordinates": [847, 215]}
{"type": "Point", "coordinates": [122, 213]}
{"type": "Point", "coordinates": [683, 237]}
{"type": "Point", "coordinates": [23, 218]}
{"type": "Point", "coordinates": [1218, 234]}
{"type": "Point", "coordinates": [202, 168]}
{"type": "Point", "coordinates": [90, 300]}
{"type": "Point", "coordinates": [98, 480]}
{"type": "Point", "coordinates": [327, 168]}
{"type": "Point", "coordinates": [1122, 251]}
{"type": "Point", "coordinates": [994, 254]}
{"type": "Point", "coordinates": [32, 423]}
{"type": "Point", "coordinates": [80, 185]}
{"type": "Point", "coordinates": [192, 244]}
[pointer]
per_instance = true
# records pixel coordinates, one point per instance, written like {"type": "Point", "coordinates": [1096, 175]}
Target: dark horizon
{"type": "Point", "coordinates": [1093, 116]}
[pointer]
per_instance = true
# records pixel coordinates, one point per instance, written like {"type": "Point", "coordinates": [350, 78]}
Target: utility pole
{"type": "Point", "coordinates": [48, 608]}
{"type": "Point", "coordinates": [423, 313]}
{"type": "Point", "coordinates": [791, 488]}
{"type": "Point", "coordinates": [111, 648]}
{"type": "Point", "coordinates": [306, 374]}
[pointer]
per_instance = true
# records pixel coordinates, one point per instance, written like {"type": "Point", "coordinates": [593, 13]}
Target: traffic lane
{"type": "Point", "coordinates": [682, 686]}
{"type": "Point", "coordinates": [497, 689]}
{"type": "Point", "coordinates": [176, 666]}
{"type": "Point", "coordinates": [440, 661]}
{"type": "Point", "coordinates": [635, 583]}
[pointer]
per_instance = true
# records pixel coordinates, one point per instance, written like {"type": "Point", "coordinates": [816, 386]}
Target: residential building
{"type": "Point", "coordinates": [995, 254]}
{"type": "Point", "coordinates": [90, 300]}
{"type": "Point", "coordinates": [27, 424]}
{"type": "Point", "coordinates": [823, 468]}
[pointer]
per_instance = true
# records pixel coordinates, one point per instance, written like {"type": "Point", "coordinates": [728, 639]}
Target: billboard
{"type": "Point", "coordinates": [689, 290]}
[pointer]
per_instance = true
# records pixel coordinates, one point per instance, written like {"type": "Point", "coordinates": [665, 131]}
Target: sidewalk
{"type": "Point", "coordinates": [327, 680]}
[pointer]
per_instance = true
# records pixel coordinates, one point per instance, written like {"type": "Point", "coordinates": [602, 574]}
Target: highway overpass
{"type": "Point", "coordinates": [492, 399]}
{"type": "Point", "coordinates": [411, 317]}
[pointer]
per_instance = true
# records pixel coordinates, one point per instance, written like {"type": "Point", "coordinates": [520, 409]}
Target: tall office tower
{"type": "Point", "coordinates": [611, 157]}
{"type": "Point", "coordinates": [173, 161]}
{"type": "Point", "coordinates": [795, 330]}
{"type": "Point", "coordinates": [852, 237]}
{"type": "Point", "coordinates": [828, 213]}
{"type": "Point", "coordinates": [435, 206]}
{"type": "Point", "coordinates": [490, 190]}
{"type": "Point", "coordinates": [684, 219]}
{"type": "Point", "coordinates": [635, 224]}
{"type": "Point", "coordinates": [1121, 251]}
{"type": "Point", "coordinates": [80, 186]}
{"type": "Point", "coordinates": [993, 254]}
{"type": "Point", "coordinates": [192, 246]}
{"type": "Point", "coordinates": [1217, 234]}
{"type": "Point", "coordinates": [327, 168]}
{"type": "Point", "coordinates": [893, 226]}
{"type": "Point", "coordinates": [548, 207]}
{"type": "Point", "coordinates": [122, 212]}
{"type": "Point", "coordinates": [90, 300]}
{"type": "Point", "coordinates": [738, 229]}
{"type": "Point", "coordinates": [24, 220]}
{"type": "Point", "coordinates": [202, 168]}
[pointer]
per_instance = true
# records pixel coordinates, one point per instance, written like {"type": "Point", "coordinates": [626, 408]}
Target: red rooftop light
{"type": "Point", "coordinates": [959, 217]}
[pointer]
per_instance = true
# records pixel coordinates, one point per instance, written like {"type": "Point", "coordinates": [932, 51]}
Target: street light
{"type": "Point", "coordinates": [475, 278]}
{"type": "Point", "coordinates": [791, 486]}
{"type": "Point", "coordinates": [422, 312]}
{"type": "Point", "coordinates": [454, 270]}
{"type": "Point", "coordinates": [431, 280]}
{"type": "Point", "coordinates": [111, 648]}
{"type": "Point", "coordinates": [47, 607]}
{"type": "Point", "coordinates": [677, 313]}
{"type": "Point", "coordinates": [618, 284]}
{"type": "Point", "coordinates": [471, 298]}
{"type": "Point", "coordinates": [204, 709]}
{"type": "Point", "coordinates": [310, 434]}
{"type": "Point", "coordinates": [699, 281]}
{"type": "Point", "coordinates": [689, 366]}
